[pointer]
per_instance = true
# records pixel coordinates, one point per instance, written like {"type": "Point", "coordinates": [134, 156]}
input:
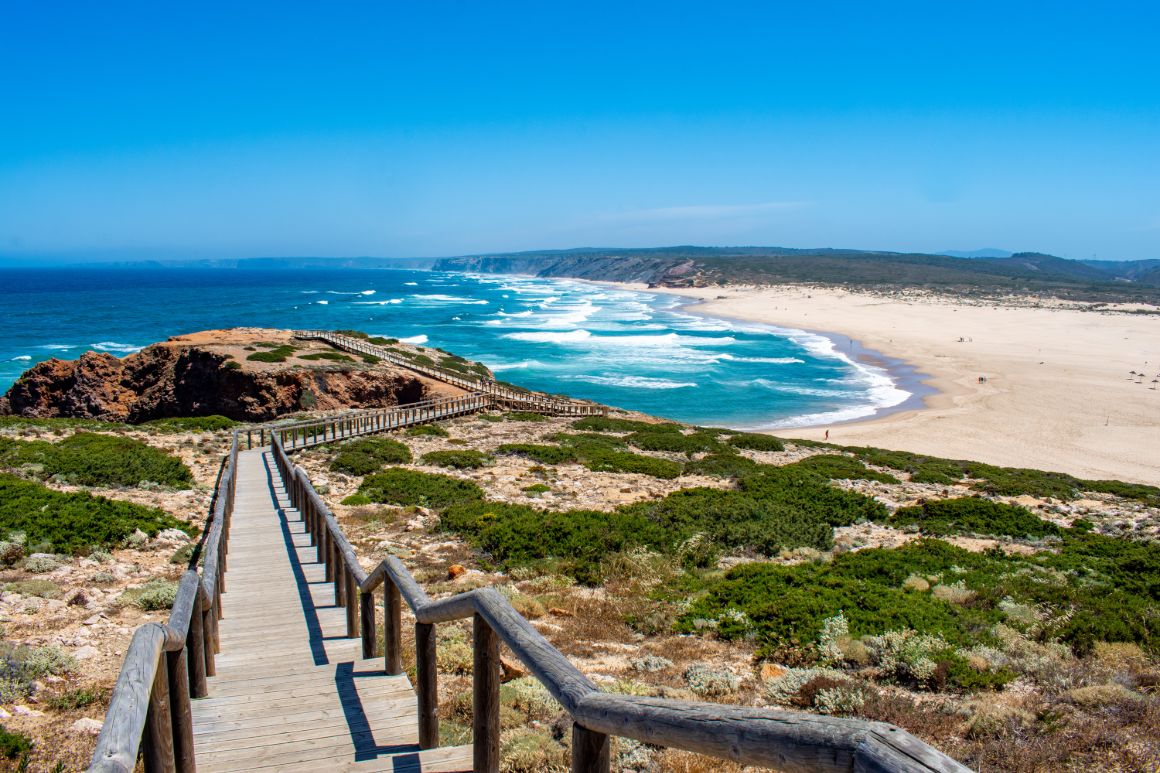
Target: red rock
{"type": "Point", "coordinates": [456, 570]}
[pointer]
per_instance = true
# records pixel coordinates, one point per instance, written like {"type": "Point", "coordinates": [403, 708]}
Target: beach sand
{"type": "Point", "coordinates": [1057, 394]}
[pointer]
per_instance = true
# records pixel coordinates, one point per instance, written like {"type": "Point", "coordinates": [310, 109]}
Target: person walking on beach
{"type": "Point", "coordinates": [827, 434]}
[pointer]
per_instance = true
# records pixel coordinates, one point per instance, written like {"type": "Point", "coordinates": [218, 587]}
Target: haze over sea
{"type": "Point", "coordinates": [629, 349]}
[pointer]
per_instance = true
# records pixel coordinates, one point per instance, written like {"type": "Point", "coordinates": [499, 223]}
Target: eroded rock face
{"type": "Point", "coordinates": [172, 379]}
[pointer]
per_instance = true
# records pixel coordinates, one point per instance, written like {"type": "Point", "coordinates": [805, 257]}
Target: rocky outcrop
{"type": "Point", "coordinates": [178, 378]}
{"type": "Point", "coordinates": [653, 270]}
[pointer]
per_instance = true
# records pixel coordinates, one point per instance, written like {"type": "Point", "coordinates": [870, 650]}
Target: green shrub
{"type": "Point", "coordinates": [13, 745]}
{"type": "Point", "coordinates": [370, 359]}
{"type": "Point", "coordinates": [183, 555]}
{"type": "Point", "coordinates": [755, 441]}
{"type": "Point", "coordinates": [279, 353]}
{"type": "Point", "coordinates": [1149, 495]}
{"type": "Point", "coordinates": [212, 423]}
{"type": "Point", "coordinates": [380, 341]}
{"type": "Point", "coordinates": [74, 699]}
{"type": "Point", "coordinates": [608, 424]}
{"type": "Point", "coordinates": [489, 417]}
{"type": "Point", "coordinates": [353, 334]}
{"type": "Point", "coordinates": [838, 467]}
{"type": "Point", "coordinates": [459, 460]}
{"type": "Point", "coordinates": [332, 356]}
{"type": "Point", "coordinates": [362, 457]}
{"type": "Point", "coordinates": [727, 465]}
{"type": "Point", "coordinates": [974, 515]}
{"type": "Point", "coordinates": [41, 564]}
{"type": "Point", "coordinates": [45, 589]}
{"type": "Point", "coordinates": [536, 488]}
{"type": "Point", "coordinates": [427, 430]}
{"type": "Point", "coordinates": [524, 416]}
{"type": "Point", "coordinates": [674, 441]}
{"type": "Point", "coordinates": [543, 454]}
{"type": "Point", "coordinates": [89, 459]}
{"type": "Point", "coordinates": [799, 490]}
{"type": "Point", "coordinates": [410, 487]}
{"type": "Point", "coordinates": [153, 595]}
{"type": "Point", "coordinates": [622, 461]}
{"type": "Point", "coordinates": [1092, 589]}
{"type": "Point", "coordinates": [75, 523]}
{"type": "Point", "coordinates": [922, 469]}
{"type": "Point", "coordinates": [579, 539]}
{"type": "Point", "coordinates": [233, 365]}
{"type": "Point", "coordinates": [357, 499]}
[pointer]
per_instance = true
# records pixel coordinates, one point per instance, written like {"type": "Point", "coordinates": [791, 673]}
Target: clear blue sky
{"type": "Point", "coordinates": [214, 129]}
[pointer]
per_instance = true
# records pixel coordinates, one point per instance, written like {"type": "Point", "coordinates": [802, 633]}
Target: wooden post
{"type": "Point", "coordinates": [212, 644]}
{"type": "Point", "coordinates": [195, 642]}
{"type": "Point", "coordinates": [157, 740]}
{"type": "Point", "coordinates": [590, 751]}
{"type": "Point", "coordinates": [366, 605]}
{"type": "Point", "coordinates": [427, 685]}
{"type": "Point", "coordinates": [339, 573]}
{"type": "Point", "coordinates": [351, 594]}
{"type": "Point", "coordinates": [392, 628]}
{"type": "Point", "coordinates": [327, 552]}
{"type": "Point", "coordinates": [485, 697]}
{"type": "Point", "coordinates": [181, 713]}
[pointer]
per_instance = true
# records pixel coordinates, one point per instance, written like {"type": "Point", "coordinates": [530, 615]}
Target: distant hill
{"type": "Point", "coordinates": [986, 252]}
{"type": "Point", "coordinates": [1018, 273]}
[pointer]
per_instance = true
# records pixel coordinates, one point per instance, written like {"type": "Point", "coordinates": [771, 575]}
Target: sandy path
{"type": "Point", "coordinates": [1057, 394]}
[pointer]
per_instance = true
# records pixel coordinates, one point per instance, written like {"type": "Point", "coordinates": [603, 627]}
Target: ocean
{"type": "Point", "coordinates": [635, 350]}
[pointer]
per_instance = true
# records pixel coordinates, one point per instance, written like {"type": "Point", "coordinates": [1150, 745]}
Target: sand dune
{"type": "Point", "coordinates": [1057, 395]}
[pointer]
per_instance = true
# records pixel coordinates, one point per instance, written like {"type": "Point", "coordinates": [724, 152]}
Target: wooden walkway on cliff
{"type": "Point", "coordinates": [279, 671]}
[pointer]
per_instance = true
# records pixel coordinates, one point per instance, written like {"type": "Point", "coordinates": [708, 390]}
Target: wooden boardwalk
{"type": "Point", "coordinates": [291, 692]}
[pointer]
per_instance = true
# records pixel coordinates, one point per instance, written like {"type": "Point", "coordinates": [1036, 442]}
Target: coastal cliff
{"type": "Point", "coordinates": [652, 270]}
{"type": "Point", "coordinates": [245, 374]}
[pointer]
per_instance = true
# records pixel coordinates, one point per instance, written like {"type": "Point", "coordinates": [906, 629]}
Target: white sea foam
{"type": "Point", "coordinates": [411, 284]}
{"type": "Point", "coordinates": [21, 358]}
{"type": "Point", "coordinates": [367, 292]}
{"type": "Point", "coordinates": [766, 360]}
{"type": "Point", "coordinates": [521, 365]}
{"type": "Point", "coordinates": [634, 382]}
{"type": "Point", "coordinates": [388, 302]}
{"type": "Point", "coordinates": [418, 340]}
{"type": "Point", "coordinates": [526, 313]}
{"type": "Point", "coordinates": [323, 303]}
{"type": "Point", "coordinates": [792, 389]}
{"type": "Point", "coordinates": [451, 299]}
{"type": "Point", "coordinates": [572, 336]}
{"type": "Point", "coordinates": [58, 347]}
{"type": "Point", "coordinates": [113, 346]}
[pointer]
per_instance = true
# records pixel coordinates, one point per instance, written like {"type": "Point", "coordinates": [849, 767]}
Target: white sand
{"type": "Point", "coordinates": [1057, 394]}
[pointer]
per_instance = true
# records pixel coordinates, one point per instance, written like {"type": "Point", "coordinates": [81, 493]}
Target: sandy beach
{"type": "Point", "coordinates": [1056, 396]}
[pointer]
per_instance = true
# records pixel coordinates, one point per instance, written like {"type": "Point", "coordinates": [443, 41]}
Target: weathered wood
{"type": "Point", "coordinates": [392, 629]}
{"type": "Point", "coordinates": [212, 644]}
{"type": "Point", "coordinates": [352, 609]}
{"type": "Point", "coordinates": [366, 605]}
{"type": "Point", "coordinates": [120, 737]}
{"type": "Point", "coordinates": [196, 643]}
{"type": "Point", "coordinates": [485, 681]}
{"type": "Point", "coordinates": [427, 685]}
{"type": "Point", "coordinates": [157, 741]}
{"type": "Point", "coordinates": [590, 751]}
{"type": "Point", "coordinates": [181, 717]}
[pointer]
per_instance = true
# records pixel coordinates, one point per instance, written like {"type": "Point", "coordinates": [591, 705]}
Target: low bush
{"type": "Point", "coordinates": [609, 424]}
{"type": "Point", "coordinates": [331, 356]}
{"type": "Point", "coordinates": [14, 745]}
{"type": "Point", "coordinates": [622, 461]}
{"type": "Point", "coordinates": [212, 423]}
{"type": "Point", "coordinates": [153, 595]}
{"type": "Point", "coordinates": [362, 457]}
{"type": "Point", "coordinates": [74, 699]}
{"type": "Point", "coordinates": [543, 454]}
{"type": "Point", "coordinates": [410, 487]}
{"type": "Point", "coordinates": [755, 441]}
{"type": "Point", "coordinates": [427, 430]}
{"type": "Point", "coordinates": [728, 465]}
{"type": "Point", "coordinates": [459, 460]}
{"type": "Point", "coordinates": [44, 589]}
{"type": "Point", "coordinates": [838, 467]}
{"type": "Point", "coordinates": [75, 523]}
{"type": "Point", "coordinates": [524, 416]}
{"type": "Point", "coordinates": [20, 666]}
{"type": "Point", "coordinates": [90, 459]}
{"type": "Point", "coordinates": [974, 515]}
{"type": "Point", "coordinates": [674, 441]}
{"type": "Point", "coordinates": [1093, 589]}
{"type": "Point", "coordinates": [280, 353]}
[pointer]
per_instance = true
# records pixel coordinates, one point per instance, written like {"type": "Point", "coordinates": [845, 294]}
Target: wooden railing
{"type": "Point", "coordinates": [502, 395]}
{"type": "Point", "coordinates": [788, 741]}
{"type": "Point", "coordinates": [167, 665]}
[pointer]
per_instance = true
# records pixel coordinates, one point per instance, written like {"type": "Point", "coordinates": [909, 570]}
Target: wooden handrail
{"type": "Point", "coordinates": [789, 741]}
{"type": "Point", "coordinates": [149, 711]}
{"type": "Point", "coordinates": [501, 394]}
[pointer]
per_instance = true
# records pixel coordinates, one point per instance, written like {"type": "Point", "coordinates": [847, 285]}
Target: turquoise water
{"type": "Point", "coordinates": [629, 349]}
